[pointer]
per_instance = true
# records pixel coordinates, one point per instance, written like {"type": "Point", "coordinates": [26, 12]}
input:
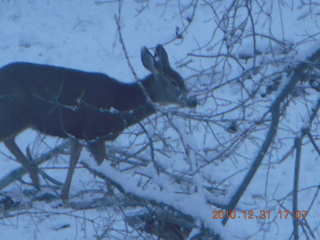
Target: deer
{"type": "Point", "coordinates": [86, 107]}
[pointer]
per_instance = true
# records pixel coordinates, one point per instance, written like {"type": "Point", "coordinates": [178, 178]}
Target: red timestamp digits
{"type": "Point", "coordinates": [244, 215]}
{"type": "Point", "coordinates": [291, 215]}
{"type": "Point", "coordinates": [261, 215]}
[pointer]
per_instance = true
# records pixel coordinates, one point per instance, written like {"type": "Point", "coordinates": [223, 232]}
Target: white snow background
{"type": "Point", "coordinates": [82, 34]}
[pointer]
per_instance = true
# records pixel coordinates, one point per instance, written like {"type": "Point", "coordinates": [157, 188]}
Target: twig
{"type": "Point", "coordinates": [298, 143]}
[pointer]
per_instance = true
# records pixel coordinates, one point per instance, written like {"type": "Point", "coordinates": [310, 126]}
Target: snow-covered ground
{"type": "Point", "coordinates": [82, 34]}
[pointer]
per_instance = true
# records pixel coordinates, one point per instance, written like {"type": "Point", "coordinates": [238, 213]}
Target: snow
{"type": "Point", "coordinates": [195, 155]}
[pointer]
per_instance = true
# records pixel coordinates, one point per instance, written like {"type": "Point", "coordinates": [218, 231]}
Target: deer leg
{"type": "Point", "coordinates": [21, 158]}
{"type": "Point", "coordinates": [98, 150]}
{"type": "Point", "coordinates": [75, 150]}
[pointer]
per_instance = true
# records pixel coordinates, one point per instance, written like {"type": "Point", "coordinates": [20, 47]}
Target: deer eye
{"type": "Point", "coordinates": [174, 83]}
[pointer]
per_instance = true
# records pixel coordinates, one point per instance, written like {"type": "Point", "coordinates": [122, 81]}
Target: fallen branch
{"type": "Point", "coordinates": [158, 219]}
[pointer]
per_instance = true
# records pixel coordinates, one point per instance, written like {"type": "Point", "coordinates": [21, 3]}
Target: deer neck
{"type": "Point", "coordinates": [142, 107]}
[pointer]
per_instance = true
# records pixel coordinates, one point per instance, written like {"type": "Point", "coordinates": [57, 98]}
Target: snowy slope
{"type": "Point", "coordinates": [82, 34]}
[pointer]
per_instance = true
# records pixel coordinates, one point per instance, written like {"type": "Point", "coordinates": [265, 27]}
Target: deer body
{"type": "Point", "coordinates": [67, 103]}
{"type": "Point", "coordinates": [79, 105]}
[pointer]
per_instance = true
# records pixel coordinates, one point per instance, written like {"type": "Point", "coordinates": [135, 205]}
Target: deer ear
{"type": "Point", "coordinates": [163, 57]}
{"type": "Point", "coordinates": [148, 60]}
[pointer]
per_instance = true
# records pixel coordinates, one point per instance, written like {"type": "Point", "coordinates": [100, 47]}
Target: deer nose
{"type": "Point", "coordinates": [191, 102]}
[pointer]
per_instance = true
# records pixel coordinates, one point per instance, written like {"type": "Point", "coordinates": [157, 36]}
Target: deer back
{"type": "Point", "coordinates": [65, 102]}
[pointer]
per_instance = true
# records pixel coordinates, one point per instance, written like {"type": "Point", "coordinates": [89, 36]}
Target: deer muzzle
{"type": "Point", "coordinates": [190, 102]}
